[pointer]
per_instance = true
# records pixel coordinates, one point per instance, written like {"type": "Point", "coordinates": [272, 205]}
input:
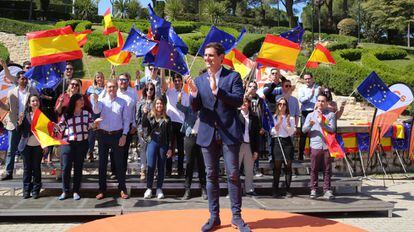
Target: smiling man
{"type": "Point", "coordinates": [217, 94]}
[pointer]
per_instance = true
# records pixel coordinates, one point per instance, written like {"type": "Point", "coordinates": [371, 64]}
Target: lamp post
{"type": "Point", "coordinates": [359, 21]}
{"type": "Point", "coordinates": [313, 36]}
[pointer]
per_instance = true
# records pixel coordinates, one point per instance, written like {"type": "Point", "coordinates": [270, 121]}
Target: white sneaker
{"type": "Point", "coordinates": [148, 194]}
{"type": "Point", "coordinates": [160, 194]}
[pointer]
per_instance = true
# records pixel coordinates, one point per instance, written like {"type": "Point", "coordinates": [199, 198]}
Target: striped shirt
{"type": "Point", "coordinates": [77, 127]}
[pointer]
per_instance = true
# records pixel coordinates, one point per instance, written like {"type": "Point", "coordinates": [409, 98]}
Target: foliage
{"type": "Point", "coordinates": [98, 43]}
{"type": "Point", "coordinates": [84, 25]}
{"type": "Point", "coordinates": [19, 27]}
{"type": "Point", "coordinates": [390, 54]}
{"type": "Point", "coordinates": [134, 9]}
{"type": "Point", "coordinates": [4, 53]}
{"type": "Point", "coordinates": [205, 29]}
{"type": "Point", "coordinates": [350, 54]}
{"type": "Point", "coordinates": [193, 42]}
{"type": "Point", "coordinates": [253, 46]}
{"type": "Point", "coordinates": [172, 9]}
{"type": "Point", "coordinates": [85, 9]}
{"type": "Point", "coordinates": [77, 25]}
{"type": "Point", "coordinates": [348, 26]}
{"type": "Point", "coordinates": [214, 10]}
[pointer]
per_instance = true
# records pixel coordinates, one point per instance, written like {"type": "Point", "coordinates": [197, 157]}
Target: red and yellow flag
{"type": "Point", "coordinates": [411, 144]}
{"type": "Point", "coordinates": [52, 46]}
{"type": "Point", "coordinates": [333, 146]}
{"type": "Point", "coordinates": [239, 62]}
{"type": "Point", "coordinates": [320, 55]}
{"type": "Point", "coordinates": [42, 129]}
{"type": "Point", "coordinates": [81, 37]}
{"type": "Point", "coordinates": [108, 25]}
{"type": "Point", "coordinates": [117, 56]}
{"type": "Point", "coordinates": [350, 142]}
{"type": "Point", "coordinates": [278, 52]}
{"type": "Point", "coordinates": [386, 144]}
{"type": "Point", "coordinates": [398, 131]}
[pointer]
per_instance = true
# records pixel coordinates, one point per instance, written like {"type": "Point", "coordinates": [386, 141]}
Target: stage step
{"type": "Point", "coordinates": [51, 206]}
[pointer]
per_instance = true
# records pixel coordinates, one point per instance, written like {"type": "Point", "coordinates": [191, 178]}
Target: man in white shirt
{"type": "Point", "coordinates": [177, 119]}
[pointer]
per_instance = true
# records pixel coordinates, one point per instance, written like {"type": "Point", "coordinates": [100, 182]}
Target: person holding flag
{"type": "Point", "coordinates": [31, 150]}
{"type": "Point", "coordinates": [316, 123]}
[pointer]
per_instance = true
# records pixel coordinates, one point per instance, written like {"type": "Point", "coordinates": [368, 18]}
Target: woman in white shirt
{"type": "Point", "coordinates": [282, 145]}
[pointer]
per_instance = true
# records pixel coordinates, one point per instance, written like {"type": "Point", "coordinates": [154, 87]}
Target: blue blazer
{"type": "Point", "coordinates": [219, 111]}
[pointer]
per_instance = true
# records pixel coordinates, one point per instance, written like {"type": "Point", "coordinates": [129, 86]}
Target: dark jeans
{"type": "Point", "coordinates": [106, 142]}
{"type": "Point", "coordinates": [125, 157]}
{"type": "Point", "coordinates": [32, 157]}
{"type": "Point", "coordinates": [303, 136]}
{"type": "Point", "coordinates": [91, 140]}
{"type": "Point", "coordinates": [14, 138]}
{"type": "Point", "coordinates": [193, 154]}
{"type": "Point", "coordinates": [178, 142]}
{"type": "Point", "coordinates": [321, 160]}
{"type": "Point", "coordinates": [73, 154]}
{"type": "Point", "coordinates": [231, 161]}
{"type": "Point", "coordinates": [156, 157]}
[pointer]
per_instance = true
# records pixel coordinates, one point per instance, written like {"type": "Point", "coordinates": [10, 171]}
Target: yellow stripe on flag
{"type": "Point", "coordinates": [61, 43]}
{"type": "Point", "coordinates": [42, 129]}
{"type": "Point", "coordinates": [280, 53]}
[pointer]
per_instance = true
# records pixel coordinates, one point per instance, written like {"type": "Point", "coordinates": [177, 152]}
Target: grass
{"type": "Point", "coordinates": [247, 38]}
{"type": "Point", "coordinates": [401, 63]}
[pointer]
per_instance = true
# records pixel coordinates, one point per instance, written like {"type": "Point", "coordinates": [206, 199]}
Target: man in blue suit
{"type": "Point", "coordinates": [217, 94]}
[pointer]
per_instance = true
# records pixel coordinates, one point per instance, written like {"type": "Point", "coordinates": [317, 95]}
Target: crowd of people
{"type": "Point", "coordinates": [227, 111]}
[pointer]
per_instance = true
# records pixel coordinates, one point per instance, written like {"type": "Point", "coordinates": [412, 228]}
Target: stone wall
{"type": "Point", "coordinates": [17, 45]}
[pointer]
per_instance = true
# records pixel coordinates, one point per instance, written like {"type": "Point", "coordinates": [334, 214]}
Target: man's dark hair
{"type": "Point", "coordinates": [20, 73]}
{"type": "Point", "coordinates": [217, 46]}
{"type": "Point", "coordinates": [69, 63]}
{"type": "Point", "coordinates": [176, 75]}
{"type": "Point", "coordinates": [323, 95]}
{"type": "Point", "coordinates": [27, 63]}
{"type": "Point", "coordinates": [308, 73]}
{"type": "Point", "coordinates": [284, 80]}
{"type": "Point", "coordinates": [125, 74]}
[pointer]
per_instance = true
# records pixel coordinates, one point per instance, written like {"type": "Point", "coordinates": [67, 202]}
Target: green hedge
{"type": "Point", "coordinates": [351, 54]}
{"type": "Point", "coordinates": [77, 25]}
{"type": "Point", "coordinates": [253, 46]}
{"type": "Point", "coordinates": [193, 42]}
{"type": "Point", "coordinates": [98, 43]}
{"type": "Point", "coordinates": [205, 29]}
{"type": "Point", "coordinates": [20, 27]}
{"type": "Point", "coordinates": [84, 25]}
{"type": "Point", "coordinates": [390, 54]}
{"type": "Point", "coordinates": [4, 53]}
{"type": "Point", "coordinates": [180, 27]}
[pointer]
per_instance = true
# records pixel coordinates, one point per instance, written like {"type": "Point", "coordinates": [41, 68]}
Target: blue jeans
{"type": "Point", "coordinates": [156, 157]}
{"type": "Point", "coordinates": [72, 154]}
{"type": "Point", "coordinates": [14, 138]}
{"type": "Point", "coordinates": [106, 142]}
{"type": "Point", "coordinates": [231, 162]}
{"type": "Point", "coordinates": [32, 158]}
{"type": "Point", "coordinates": [92, 135]}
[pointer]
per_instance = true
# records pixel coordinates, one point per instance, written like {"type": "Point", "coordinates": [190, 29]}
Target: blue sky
{"type": "Point", "coordinates": [103, 5]}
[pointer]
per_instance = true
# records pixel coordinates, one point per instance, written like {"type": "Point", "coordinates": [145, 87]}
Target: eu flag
{"type": "Point", "coordinates": [171, 58]}
{"type": "Point", "coordinates": [138, 43]}
{"type": "Point", "coordinates": [295, 35]}
{"type": "Point", "coordinates": [46, 76]}
{"type": "Point", "coordinates": [377, 93]}
{"type": "Point", "coordinates": [160, 27]}
{"type": "Point", "coordinates": [267, 118]}
{"type": "Point", "coordinates": [176, 41]}
{"type": "Point", "coordinates": [363, 142]}
{"type": "Point", "coordinates": [4, 141]}
{"type": "Point", "coordinates": [216, 35]}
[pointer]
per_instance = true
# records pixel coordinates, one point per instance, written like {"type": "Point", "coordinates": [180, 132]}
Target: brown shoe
{"type": "Point", "coordinates": [90, 157]}
{"type": "Point", "coordinates": [124, 195]}
{"type": "Point", "coordinates": [100, 196]}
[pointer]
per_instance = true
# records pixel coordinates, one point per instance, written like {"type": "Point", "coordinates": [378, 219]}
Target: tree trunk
{"type": "Point", "coordinates": [330, 15]}
{"type": "Point", "coordinates": [408, 35]}
{"type": "Point", "coordinates": [289, 12]}
{"type": "Point", "coordinates": [345, 8]}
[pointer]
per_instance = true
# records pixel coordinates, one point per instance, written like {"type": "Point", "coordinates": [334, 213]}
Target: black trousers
{"type": "Point", "coordinates": [73, 155]}
{"type": "Point", "coordinates": [178, 141]}
{"type": "Point", "coordinates": [303, 136]}
{"type": "Point", "coordinates": [125, 157]}
{"type": "Point", "coordinates": [32, 158]}
{"type": "Point", "coordinates": [194, 156]}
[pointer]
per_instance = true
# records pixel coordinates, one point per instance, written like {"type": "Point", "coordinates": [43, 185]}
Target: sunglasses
{"type": "Point", "coordinates": [74, 84]}
{"type": "Point", "coordinates": [68, 69]}
{"type": "Point", "coordinates": [123, 80]}
{"type": "Point", "coordinates": [252, 86]}
{"type": "Point", "coordinates": [274, 73]}
{"type": "Point", "coordinates": [287, 86]}
{"type": "Point", "coordinates": [281, 104]}
{"type": "Point", "coordinates": [27, 67]}
{"type": "Point", "coordinates": [151, 89]}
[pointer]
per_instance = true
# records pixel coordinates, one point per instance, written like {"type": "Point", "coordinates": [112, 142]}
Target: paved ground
{"type": "Point", "coordinates": [401, 192]}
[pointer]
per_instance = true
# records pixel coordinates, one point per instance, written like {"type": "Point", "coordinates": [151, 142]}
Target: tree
{"type": "Point", "coordinates": [173, 8]}
{"type": "Point", "coordinates": [85, 9]}
{"type": "Point", "coordinates": [401, 15]}
{"type": "Point", "coordinates": [214, 10]}
{"type": "Point", "coordinates": [120, 8]}
{"type": "Point", "coordinates": [134, 9]}
{"type": "Point", "coordinates": [348, 26]}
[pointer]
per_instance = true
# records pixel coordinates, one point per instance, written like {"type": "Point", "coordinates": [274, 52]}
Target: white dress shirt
{"type": "Point", "coordinates": [284, 131]}
{"type": "Point", "coordinates": [172, 98]}
{"type": "Point", "coordinates": [130, 95]}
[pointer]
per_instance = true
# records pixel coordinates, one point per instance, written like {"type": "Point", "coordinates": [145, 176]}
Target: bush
{"type": "Point", "coordinates": [348, 26]}
{"type": "Point", "coordinates": [351, 54]}
{"type": "Point", "coordinates": [390, 54]}
{"type": "Point", "coordinates": [71, 23]}
{"type": "Point", "coordinates": [84, 25]}
{"type": "Point", "coordinates": [181, 27]}
{"type": "Point", "coordinates": [205, 29]}
{"type": "Point", "coordinates": [98, 43]}
{"type": "Point", "coordinates": [388, 74]}
{"type": "Point", "coordinates": [125, 25]}
{"type": "Point", "coordinates": [253, 46]}
{"type": "Point", "coordinates": [4, 53]}
{"type": "Point", "coordinates": [193, 42]}
{"type": "Point", "coordinates": [20, 28]}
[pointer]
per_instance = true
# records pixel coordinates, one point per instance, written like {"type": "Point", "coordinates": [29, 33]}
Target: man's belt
{"type": "Point", "coordinates": [110, 132]}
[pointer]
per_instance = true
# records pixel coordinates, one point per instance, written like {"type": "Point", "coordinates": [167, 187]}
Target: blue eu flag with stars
{"type": "Point", "coordinates": [216, 35]}
{"type": "Point", "coordinates": [46, 76]}
{"type": "Point", "coordinates": [138, 43]}
{"type": "Point", "coordinates": [377, 93]}
{"type": "Point", "coordinates": [160, 27]}
{"type": "Point", "coordinates": [176, 41]}
{"type": "Point", "coordinates": [363, 142]}
{"type": "Point", "coordinates": [295, 35]}
{"type": "Point", "coordinates": [4, 141]}
{"type": "Point", "coordinates": [267, 118]}
{"type": "Point", "coordinates": [171, 58]}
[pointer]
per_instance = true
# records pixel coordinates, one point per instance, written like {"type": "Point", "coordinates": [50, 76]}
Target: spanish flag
{"type": "Point", "coordinates": [398, 131]}
{"type": "Point", "coordinates": [42, 129]}
{"type": "Point", "coordinates": [411, 143]}
{"type": "Point", "coordinates": [386, 144]}
{"type": "Point", "coordinates": [117, 56]}
{"type": "Point", "coordinates": [350, 142]}
{"type": "Point", "coordinates": [52, 46]}
{"type": "Point", "coordinates": [108, 25]}
{"type": "Point", "coordinates": [278, 52]}
{"type": "Point", "coordinates": [320, 55]}
{"type": "Point", "coordinates": [333, 146]}
{"type": "Point", "coordinates": [81, 37]}
{"type": "Point", "coordinates": [239, 62]}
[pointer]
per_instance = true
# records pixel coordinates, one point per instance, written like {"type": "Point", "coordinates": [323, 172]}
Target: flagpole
{"type": "Point", "coordinates": [192, 63]}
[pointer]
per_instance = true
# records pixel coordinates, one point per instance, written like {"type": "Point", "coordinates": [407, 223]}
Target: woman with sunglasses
{"type": "Point", "coordinates": [75, 124]}
{"type": "Point", "coordinates": [62, 103]}
{"type": "Point", "coordinates": [143, 107]}
{"type": "Point", "coordinates": [96, 88]}
{"type": "Point", "coordinates": [282, 145]}
{"type": "Point", "coordinates": [159, 128]}
{"type": "Point", "coordinates": [332, 105]}
{"type": "Point", "coordinates": [31, 150]}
